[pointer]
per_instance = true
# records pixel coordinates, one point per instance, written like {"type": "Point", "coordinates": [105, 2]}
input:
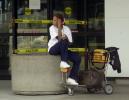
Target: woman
{"type": "Point", "coordinates": [60, 38]}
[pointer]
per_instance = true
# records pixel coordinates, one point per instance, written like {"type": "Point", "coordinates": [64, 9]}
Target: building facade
{"type": "Point", "coordinates": [85, 18]}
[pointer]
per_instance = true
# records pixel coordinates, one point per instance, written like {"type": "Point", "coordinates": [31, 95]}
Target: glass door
{"type": "Point", "coordinates": [73, 11]}
{"type": "Point", "coordinates": [89, 35]}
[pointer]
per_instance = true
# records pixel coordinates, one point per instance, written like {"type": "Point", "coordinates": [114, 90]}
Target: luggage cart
{"type": "Point", "coordinates": [98, 60]}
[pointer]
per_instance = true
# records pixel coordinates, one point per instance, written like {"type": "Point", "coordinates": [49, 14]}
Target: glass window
{"type": "Point", "coordinates": [73, 10]}
{"type": "Point", "coordinates": [96, 42]}
{"type": "Point", "coordinates": [90, 11]}
{"type": "Point", "coordinates": [95, 24]}
{"type": "Point", "coordinates": [70, 10]}
{"type": "Point", "coordinates": [5, 15]}
{"type": "Point", "coordinates": [31, 40]}
{"type": "Point", "coordinates": [28, 42]}
{"type": "Point", "coordinates": [35, 14]}
{"type": "Point", "coordinates": [95, 15]}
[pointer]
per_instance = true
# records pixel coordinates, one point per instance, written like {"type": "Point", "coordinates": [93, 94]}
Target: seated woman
{"type": "Point", "coordinates": [60, 38]}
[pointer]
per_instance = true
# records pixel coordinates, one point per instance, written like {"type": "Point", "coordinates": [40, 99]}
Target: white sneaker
{"type": "Point", "coordinates": [71, 81]}
{"type": "Point", "coordinates": [64, 64]}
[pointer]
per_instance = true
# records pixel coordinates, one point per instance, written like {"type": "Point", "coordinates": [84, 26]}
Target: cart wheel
{"type": "Point", "coordinates": [91, 90]}
{"type": "Point", "coordinates": [70, 91]}
{"type": "Point", "coordinates": [108, 89]}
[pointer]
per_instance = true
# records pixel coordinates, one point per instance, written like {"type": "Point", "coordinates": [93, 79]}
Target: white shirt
{"type": "Point", "coordinates": [54, 33]}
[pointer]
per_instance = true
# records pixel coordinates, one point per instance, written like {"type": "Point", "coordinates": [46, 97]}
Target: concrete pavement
{"type": "Point", "coordinates": [121, 92]}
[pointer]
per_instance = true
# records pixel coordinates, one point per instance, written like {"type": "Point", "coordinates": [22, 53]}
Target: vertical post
{"type": "Point", "coordinates": [1, 16]}
{"type": "Point", "coordinates": [5, 7]}
{"type": "Point", "coordinates": [86, 30]}
{"type": "Point", "coordinates": [86, 14]}
{"type": "Point", "coordinates": [14, 25]}
{"type": "Point", "coordinates": [1, 12]}
{"type": "Point", "coordinates": [49, 13]}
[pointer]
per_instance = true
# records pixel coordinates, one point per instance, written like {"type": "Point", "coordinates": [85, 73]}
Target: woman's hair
{"type": "Point", "coordinates": [60, 16]}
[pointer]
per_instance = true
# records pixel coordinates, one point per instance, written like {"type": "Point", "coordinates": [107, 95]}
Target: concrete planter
{"type": "Point", "coordinates": [36, 74]}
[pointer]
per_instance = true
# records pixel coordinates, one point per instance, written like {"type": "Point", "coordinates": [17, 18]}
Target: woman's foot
{"type": "Point", "coordinates": [71, 81]}
{"type": "Point", "coordinates": [64, 64]}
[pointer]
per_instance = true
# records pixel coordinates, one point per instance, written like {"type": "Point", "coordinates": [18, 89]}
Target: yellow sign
{"type": "Point", "coordinates": [27, 11]}
{"type": "Point", "coordinates": [68, 10]}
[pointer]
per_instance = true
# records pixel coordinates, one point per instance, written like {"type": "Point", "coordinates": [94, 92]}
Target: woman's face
{"type": "Point", "coordinates": [55, 21]}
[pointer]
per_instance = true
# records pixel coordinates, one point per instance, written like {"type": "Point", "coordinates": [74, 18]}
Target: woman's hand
{"type": "Point", "coordinates": [59, 22]}
{"type": "Point", "coordinates": [64, 37]}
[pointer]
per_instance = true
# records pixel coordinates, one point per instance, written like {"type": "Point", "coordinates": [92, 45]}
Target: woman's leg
{"type": "Point", "coordinates": [61, 48]}
{"type": "Point", "coordinates": [76, 59]}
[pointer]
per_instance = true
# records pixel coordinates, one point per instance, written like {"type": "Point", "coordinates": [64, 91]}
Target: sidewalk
{"type": "Point", "coordinates": [121, 92]}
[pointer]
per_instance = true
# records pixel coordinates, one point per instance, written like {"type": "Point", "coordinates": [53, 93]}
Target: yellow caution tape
{"type": "Point", "coordinates": [43, 50]}
{"type": "Point", "coordinates": [29, 51]}
{"type": "Point", "coordinates": [27, 21]}
{"type": "Point", "coordinates": [75, 22]}
{"type": "Point", "coordinates": [77, 49]}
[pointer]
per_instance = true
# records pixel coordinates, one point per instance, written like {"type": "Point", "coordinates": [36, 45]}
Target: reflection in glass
{"type": "Point", "coordinates": [28, 42]}
{"type": "Point", "coordinates": [96, 15]}
{"type": "Point", "coordinates": [36, 14]}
